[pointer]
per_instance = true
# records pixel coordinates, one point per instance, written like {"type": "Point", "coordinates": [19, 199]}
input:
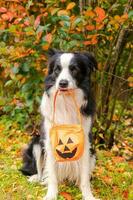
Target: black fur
{"type": "Point", "coordinates": [29, 164]}
{"type": "Point", "coordinates": [29, 167]}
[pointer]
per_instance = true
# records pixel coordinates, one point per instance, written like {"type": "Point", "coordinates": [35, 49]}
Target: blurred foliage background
{"type": "Point", "coordinates": [29, 28]}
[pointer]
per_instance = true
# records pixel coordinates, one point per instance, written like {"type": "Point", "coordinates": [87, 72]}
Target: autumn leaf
{"type": "Point", "coordinates": [5, 17]}
{"type": "Point", "coordinates": [37, 21]}
{"type": "Point", "coordinates": [90, 13]}
{"type": "Point", "coordinates": [125, 194]}
{"type": "Point", "coordinates": [3, 10]}
{"type": "Point", "coordinates": [125, 16]}
{"type": "Point", "coordinates": [54, 11]}
{"type": "Point", "coordinates": [48, 38]}
{"type": "Point", "coordinates": [66, 195]}
{"type": "Point", "coordinates": [90, 27]}
{"type": "Point", "coordinates": [107, 179]}
{"type": "Point", "coordinates": [45, 47]}
{"type": "Point", "coordinates": [45, 71]}
{"type": "Point", "coordinates": [71, 6]}
{"type": "Point", "coordinates": [130, 81]}
{"type": "Point", "coordinates": [100, 14]}
{"type": "Point", "coordinates": [87, 42]}
{"type": "Point", "coordinates": [99, 26]}
{"type": "Point", "coordinates": [63, 12]}
{"type": "Point", "coordinates": [118, 159]}
{"type": "Point", "coordinates": [115, 118]}
{"type": "Point", "coordinates": [26, 23]}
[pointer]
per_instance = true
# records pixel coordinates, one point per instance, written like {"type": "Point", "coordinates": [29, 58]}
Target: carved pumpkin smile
{"type": "Point", "coordinates": [67, 150]}
{"type": "Point", "coordinates": [68, 154]}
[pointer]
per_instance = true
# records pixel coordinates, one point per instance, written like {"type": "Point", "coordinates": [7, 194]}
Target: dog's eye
{"type": "Point", "coordinates": [57, 69]}
{"type": "Point", "coordinates": [73, 69]}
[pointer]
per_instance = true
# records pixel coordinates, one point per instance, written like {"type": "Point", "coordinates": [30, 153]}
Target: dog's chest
{"type": "Point", "coordinates": [65, 109]}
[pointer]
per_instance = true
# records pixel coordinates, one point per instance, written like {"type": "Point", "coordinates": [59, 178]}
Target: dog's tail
{"type": "Point", "coordinates": [29, 163]}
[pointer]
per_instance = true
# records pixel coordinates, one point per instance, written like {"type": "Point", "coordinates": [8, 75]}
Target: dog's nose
{"type": "Point", "coordinates": [63, 83]}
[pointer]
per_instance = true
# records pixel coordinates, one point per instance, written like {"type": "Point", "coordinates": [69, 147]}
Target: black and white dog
{"type": "Point", "coordinates": [65, 71]}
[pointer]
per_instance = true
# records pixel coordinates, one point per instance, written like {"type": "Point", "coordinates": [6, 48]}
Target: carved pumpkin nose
{"type": "Point", "coordinates": [66, 148]}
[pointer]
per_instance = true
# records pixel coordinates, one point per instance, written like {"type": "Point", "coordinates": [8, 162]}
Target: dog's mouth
{"type": "Point", "coordinates": [63, 89]}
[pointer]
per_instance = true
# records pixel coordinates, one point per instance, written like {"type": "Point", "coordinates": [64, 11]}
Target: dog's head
{"type": "Point", "coordinates": [68, 70]}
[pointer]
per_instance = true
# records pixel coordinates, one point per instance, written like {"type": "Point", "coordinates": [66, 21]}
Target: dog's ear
{"type": "Point", "coordinates": [90, 61]}
{"type": "Point", "coordinates": [52, 52]}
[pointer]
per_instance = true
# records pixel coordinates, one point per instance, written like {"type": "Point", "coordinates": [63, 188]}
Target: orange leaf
{"type": "Point", "coordinates": [37, 21]}
{"type": "Point", "coordinates": [115, 118]}
{"type": "Point", "coordinates": [26, 23]}
{"type": "Point", "coordinates": [107, 179]}
{"type": "Point", "coordinates": [45, 47]}
{"type": "Point", "coordinates": [45, 71]}
{"type": "Point", "coordinates": [39, 34]}
{"type": "Point", "coordinates": [70, 6]}
{"type": "Point", "coordinates": [66, 195]}
{"type": "Point", "coordinates": [125, 16]}
{"type": "Point", "coordinates": [100, 14]}
{"type": "Point", "coordinates": [45, 14]}
{"type": "Point", "coordinates": [63, 12]}
{"type": "Point", "coordinates": [99, 26]}
{"type": "Point", "coordinates": [118, 159]}
{"type": "Point", "coordinates": [90, 27]}
{"type": "Point", "coordinates": [125, 194]}
{"type": "Point", "coordinates": [89, 13]}
{"type": "Point", "coordinates": [5, 17]}
{"type": "Point", "coordinates": [3, 10]}
{"type": "Point", "coordinates": [48, 38]}
{"type": "Point", "coordinates": [86, 43]}
{"type": "Point", "coordinates": [8, 16]}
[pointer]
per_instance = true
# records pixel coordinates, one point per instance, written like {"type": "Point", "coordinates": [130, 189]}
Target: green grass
{"type": "Point", "coordinates": [112, 179]}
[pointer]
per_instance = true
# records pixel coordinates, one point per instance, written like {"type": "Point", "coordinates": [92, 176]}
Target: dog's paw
{"type": "Point", "coordinates": [90, 198]}
{"type": "Point", "coordinates": [52, 193]}
{"type": "Point", "coordinates": [33, 179]}
{"type": "Point", "coordinates": [50, 197]}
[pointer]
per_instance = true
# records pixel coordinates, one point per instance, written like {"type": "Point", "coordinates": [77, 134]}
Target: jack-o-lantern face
{"type": "Point", "coordinates": [67, 142]}
{"type": "Point", "coordinates": [66, 150]}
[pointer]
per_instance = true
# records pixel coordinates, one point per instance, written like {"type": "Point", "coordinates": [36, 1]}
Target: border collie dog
{"type": "Point", "coordinates": [66, 71]}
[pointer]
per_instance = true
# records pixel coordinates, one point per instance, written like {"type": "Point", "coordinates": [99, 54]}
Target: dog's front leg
{"type": "Point", "coordinates": [52, 191]}
{"type": "Point", "coordinates": [85, 177]}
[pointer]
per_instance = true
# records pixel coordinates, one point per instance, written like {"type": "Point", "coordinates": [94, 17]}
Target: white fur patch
{"type": "Point", "coordinates": [65, 60]}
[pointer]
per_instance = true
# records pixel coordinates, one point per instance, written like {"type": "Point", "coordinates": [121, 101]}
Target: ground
{"type": "Point", "coordinates": [112, 179]}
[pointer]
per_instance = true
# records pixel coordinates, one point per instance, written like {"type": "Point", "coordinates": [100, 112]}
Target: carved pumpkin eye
{"type": "Point", "coordinates": [69, 141]}
{"type": "Point", "coordinates": [60, 142]}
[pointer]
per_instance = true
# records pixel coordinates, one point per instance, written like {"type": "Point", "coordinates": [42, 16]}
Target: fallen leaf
{"type": "Point", "coordinates": [66, 195]}
{"type": "Point", "coordinates": [125, 194]}
{"type": "Point", "coordinates": [107, 179]}
{"type": "Point", "coordinates": [118, 159]}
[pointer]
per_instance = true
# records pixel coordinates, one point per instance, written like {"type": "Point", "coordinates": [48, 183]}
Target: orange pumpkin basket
{"type": "Point", "coordinates": [67, 140]}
